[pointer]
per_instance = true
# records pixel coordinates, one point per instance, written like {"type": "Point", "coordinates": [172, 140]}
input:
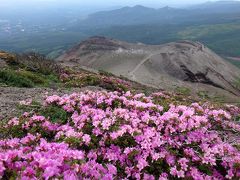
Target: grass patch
{"type": "Point", "coordinates": [55, 113]}
{"type": "Point", "coordinates": [12, 78]}
{"type": "Point", "coordinates": [203, 94]}
{"type": "Point", "coordinates": [218, 99]}
{"type": "Point", "coordinates": [30, 70]}
{"type": "Point", "coordinates": [183, 91]}
{"type": "Point", "coordinates": [89, 80]}
{"type": "Point", "coordinates": [35, 78]}
{"type": "Point", "coordinates": [28, 79]}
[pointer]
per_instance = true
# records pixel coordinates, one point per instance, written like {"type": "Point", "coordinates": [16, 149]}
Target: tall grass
{"type": "Point", "coordinates": [30, 70]}
{"type": "Point", "coordinates": [12, 78]}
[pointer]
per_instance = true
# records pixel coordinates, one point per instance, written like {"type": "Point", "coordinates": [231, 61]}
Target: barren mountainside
{"type": "Point", "coordinates": [178, 64]}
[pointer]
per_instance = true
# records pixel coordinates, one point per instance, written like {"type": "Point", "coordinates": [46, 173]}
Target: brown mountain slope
{"type": "Point", "coordinates": [178, 64]}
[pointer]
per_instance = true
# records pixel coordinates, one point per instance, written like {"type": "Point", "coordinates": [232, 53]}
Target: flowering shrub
{"type": "Point", "coordinates": [90, 79]}
{"type": "Point", "coordinates": [109, 135]}
{"type": "Point", "coordinates": [26, 102]}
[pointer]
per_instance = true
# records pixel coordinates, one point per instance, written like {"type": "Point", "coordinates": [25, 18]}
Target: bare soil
{"type": "Point", "coordinates": [234, 58]}
{"type": "Point", "coordinates": [11, 96]}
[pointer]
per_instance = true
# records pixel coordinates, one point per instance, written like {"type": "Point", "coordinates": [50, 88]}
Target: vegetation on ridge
{"type": "Point", "coordinates": [108, 135]}
{"type": "Point", "coordinates": [34, 70]}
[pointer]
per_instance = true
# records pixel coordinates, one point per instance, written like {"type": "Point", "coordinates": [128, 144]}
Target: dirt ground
{"type": "Point", "coordinates": [11, 96]}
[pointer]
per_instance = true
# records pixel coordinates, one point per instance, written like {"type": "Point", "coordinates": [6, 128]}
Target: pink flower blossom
{"type": "Point", "coordinates": [112, 135]}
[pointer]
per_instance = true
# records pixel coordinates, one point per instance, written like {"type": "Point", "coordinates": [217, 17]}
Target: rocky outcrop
{"type": "Point", "coordinates": [95, 44]}
{"type": "Point", "coordinates": [6, 58]}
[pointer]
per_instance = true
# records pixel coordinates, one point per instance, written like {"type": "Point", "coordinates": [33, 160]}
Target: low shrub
{"type": "Point", "coordinates": [105, 73]}
{"type": "Point", "coordinates": [55, 114]}
{"type": "Point", "coordinates": [23, 78]}
{"type": "Point", "coordinates": [36, 63]}
{"type": "Point", "coordinates": [110, 135]}
{"type": "Point", "coordinates": [82, 80]}
{"type": "Point", "coordinates": [34, 77]}
{"type": "Point", "coordinates": [183, 90]}
{"type": "Point", "coordinates": [203, 94]}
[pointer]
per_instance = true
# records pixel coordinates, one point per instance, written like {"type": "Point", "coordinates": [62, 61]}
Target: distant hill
{"type": "Point", "coordinates": [215, 24]}
{"type": "Point", "coordinates": [132, 16]}
{"type": "Point", "coordinates": [218, 7]}
{"type": "Point", "coordinates": [209, 12]}
{"type": "Point", "coordinates": [180, 64]}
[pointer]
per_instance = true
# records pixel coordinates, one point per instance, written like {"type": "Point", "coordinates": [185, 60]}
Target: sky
{"type": "Point", "coordinates": [104, 3]}
{"type": "Point", "coordinates": [88, 6]}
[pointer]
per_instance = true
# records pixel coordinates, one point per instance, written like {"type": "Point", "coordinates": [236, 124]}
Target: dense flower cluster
{"type": "Point", "coordinates": [121, 136]}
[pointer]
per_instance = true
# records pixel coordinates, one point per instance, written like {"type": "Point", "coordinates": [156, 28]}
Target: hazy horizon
{"type": "Point", "coordinates": [57, 25]}
{"type": "Point", "coordinates": [101, 3]}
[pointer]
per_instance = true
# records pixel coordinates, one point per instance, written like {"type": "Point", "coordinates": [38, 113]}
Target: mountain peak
{"type": "Point", "coordinates": [96, 43]}
{"type": "Point", "coordinates": [137, 7]}
{"type": "Point", "coordinates": [219, 6]}
{"type": "Point", "coordinates": [177, 63]}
